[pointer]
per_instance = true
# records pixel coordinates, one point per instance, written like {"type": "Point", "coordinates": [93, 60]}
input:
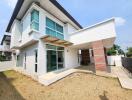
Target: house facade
{"type": "Point", "coordinates": [5, 51]}
{"type": "Point", "coordinates": [47, 38]}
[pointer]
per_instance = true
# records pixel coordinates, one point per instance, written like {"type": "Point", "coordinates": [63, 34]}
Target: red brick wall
{"type": "Point", "coordinates": [99, 55]}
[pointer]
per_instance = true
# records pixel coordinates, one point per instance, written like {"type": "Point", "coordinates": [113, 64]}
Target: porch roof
{"type": "Point", "coordinates": [51, 39]}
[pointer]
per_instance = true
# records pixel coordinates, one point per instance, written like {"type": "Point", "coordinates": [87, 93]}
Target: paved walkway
{"type": "Point", "coordinates": [124, 79]}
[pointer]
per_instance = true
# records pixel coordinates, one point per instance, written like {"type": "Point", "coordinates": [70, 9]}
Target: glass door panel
{"type": "Point", "coordinates": [60, 59]}
{"type": "Point", "coordinates": [51, 60]}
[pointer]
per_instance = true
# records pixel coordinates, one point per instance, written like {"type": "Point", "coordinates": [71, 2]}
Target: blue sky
{"type": "Point", "coordinates": [87, 12]}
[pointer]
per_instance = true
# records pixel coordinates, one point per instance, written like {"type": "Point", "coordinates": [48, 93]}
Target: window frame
{"type": "Point", "coordinates": [55, 30]}
{"type": "Point", "coordinates": [56, 50]}
{"type": "Point", "coordinates": [32, 21]}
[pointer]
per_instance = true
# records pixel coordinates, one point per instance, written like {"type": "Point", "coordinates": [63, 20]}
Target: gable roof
{"type": "Point", "coordinates": [54, 2]}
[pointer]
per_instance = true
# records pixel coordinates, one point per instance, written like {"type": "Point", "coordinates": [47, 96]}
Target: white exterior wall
{"type": "Point", "coordinates": [5, 46]}
{"type": "Point", "coordinates": [68, 30]}
{"type": "Point", "coordinates": [71, 58]}
{"type": "Point", "coordinates": [115, 60]}
{"type": "Point", "coordinates": [42, 58]}
{"type": "Point", "coordinates": [26, 28]}
{"type": "Point", "coordinates": [7, 65]}
{"type": "Point", "coordinates": [30, 59]}
{"type": "Point", "coordinates": [104, 30]}
{"type": "Point", "coordinates": [15, 33]}
{"type": "Point", "coordinates": [27, 21]}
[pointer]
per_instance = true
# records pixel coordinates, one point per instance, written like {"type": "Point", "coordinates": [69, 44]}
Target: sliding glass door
{"type": "Point", "coordinates": [60, 59]}
{"type": "Point", "coordinates": [51, 60]}
{"type": "Point", "coordinates": [55, 58]}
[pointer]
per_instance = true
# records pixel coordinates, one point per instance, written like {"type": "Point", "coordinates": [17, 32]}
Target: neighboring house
{"type": "Point", "coordinates": [47, 38]}
{"type": "Point", "coordinates": [5, 50]}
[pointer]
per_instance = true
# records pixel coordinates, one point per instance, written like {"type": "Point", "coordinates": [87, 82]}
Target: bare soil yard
{"type": "Point", "coordinates": [78, 86]}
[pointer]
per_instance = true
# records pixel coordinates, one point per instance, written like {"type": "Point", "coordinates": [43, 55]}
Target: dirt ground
{"type": "Point", "coordinates": [78, 86]}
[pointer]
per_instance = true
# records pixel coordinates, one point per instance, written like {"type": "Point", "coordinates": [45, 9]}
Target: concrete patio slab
{"type": "Point", "coordinates": [52, 77]}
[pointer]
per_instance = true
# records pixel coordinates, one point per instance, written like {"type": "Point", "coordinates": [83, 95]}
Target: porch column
{"type": "Point", "coordinates": [99, 55]}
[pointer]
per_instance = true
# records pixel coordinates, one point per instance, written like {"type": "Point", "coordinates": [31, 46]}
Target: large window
{"type": "Point", "coordinates": [35, 20]}
{"type": "Point", "coordinates": [54, 29]}
{"type": "Point", "coordinates": [55, 57]}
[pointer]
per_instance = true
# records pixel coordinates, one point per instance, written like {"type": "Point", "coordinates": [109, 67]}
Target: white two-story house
{"type": "Point", "coordinates": [47, 38]}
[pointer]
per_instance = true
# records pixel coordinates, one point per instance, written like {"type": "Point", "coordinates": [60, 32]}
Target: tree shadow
{"type": "Point", "coordinates": [104, 97]}
{"type": "Point", "coordinates": [7, 90]}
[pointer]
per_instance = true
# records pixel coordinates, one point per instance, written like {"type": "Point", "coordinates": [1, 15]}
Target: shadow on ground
{"type": "Point", "coordinates": [7, 90]}
{"type": "Point", "coordinates": [103, 97]}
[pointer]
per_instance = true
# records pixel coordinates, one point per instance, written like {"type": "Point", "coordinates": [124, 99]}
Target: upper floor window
{"type": "Point", "coordinates": [54, 29]}
{"type": "Point", "coordinates": [35, 20]}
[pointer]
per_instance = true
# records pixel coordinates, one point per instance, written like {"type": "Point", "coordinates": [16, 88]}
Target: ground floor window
{"type": "Point", "coordinates": [55, 57]}
{"type": "Point", "coordinates": [25, 60]}
{"type": "Point", "coordinates": [17, 60]}
{"type": "Point", "coordinates": [36, 60]}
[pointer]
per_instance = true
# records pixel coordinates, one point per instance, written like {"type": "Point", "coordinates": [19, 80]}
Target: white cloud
{"type": "Point", "coordinates": [11, 3]}
{"type": "Point", "coordinates": [120, 21]}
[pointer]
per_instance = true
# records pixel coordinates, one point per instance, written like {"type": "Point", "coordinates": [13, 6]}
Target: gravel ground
{"type": "Point", "coordinates": [78, 86]}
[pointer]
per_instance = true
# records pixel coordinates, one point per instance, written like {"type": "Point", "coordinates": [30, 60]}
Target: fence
{"type": "Point", "coordinates": [114, 60]}
{"type": "Point", "coordinates": [127, 63]}
{"type": "Point", "coordinates": [7, 65]}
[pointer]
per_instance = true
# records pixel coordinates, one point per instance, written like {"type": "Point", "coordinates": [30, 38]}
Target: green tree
{"type": "Point", "coordinates": [129, 52]}
{"type": "Point", "coordinates": [115, 50]}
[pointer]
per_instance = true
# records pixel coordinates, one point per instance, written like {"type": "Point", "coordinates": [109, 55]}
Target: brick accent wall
{"type": "Point", "coordinates": [99, 55]}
